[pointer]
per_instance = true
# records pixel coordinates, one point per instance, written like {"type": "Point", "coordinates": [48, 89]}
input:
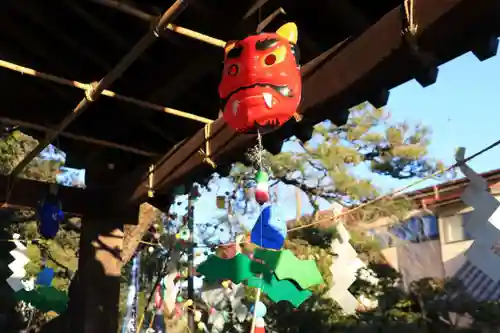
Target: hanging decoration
{"type": "Point", "coordinates": [280, 274]}
{"type": "Point", "coordinates": [220, 202]}
{"type": "Point", "coordinates": [43, 296]}
{"type": "Point", "coordinates": [19, 253]}
{"type": "Point", "coordinates": [129, 322]}
{"type": "Point", "coordinates": [44, 299]}
{"type": "Point", "coordinates": [158, 297]}
{"type": "Point", "coordinates": [262, 187]}
{"type": "Point", "coordinates": [261, 83]}
{"type": "Point", "coordinates": [269, 231]}
{"type": "Point", "coordinates": [220, 298]}
{"type": "Point", "coordinates": [45, 277]}
{"type": "Point", "coordinates": [50, 213]}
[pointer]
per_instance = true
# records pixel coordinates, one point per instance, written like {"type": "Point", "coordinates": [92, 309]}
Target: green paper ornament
{"type": "Point", "coordinates": [45, 299]}
{"type": "Point", "coordinates": [261, 177]}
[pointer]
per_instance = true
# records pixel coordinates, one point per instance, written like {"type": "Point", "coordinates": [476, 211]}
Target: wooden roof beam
{"type": "Point", "coordinates": [95, 92]}
{"type": "Point", "coordinates": [344, 80]}
{"type": "Point", "coordinates": [75, 201]}
{"type": "Point", "coordinates": [130, 10]}
{"type": "Point", "coordinates": [81, 138]}
{"type": "Point", "coordinates": [197, 70]}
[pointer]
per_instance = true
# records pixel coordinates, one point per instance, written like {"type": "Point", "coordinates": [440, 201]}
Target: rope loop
{"type": "Point", "coordinates": [206, 153]}
{"type": "Point", "coordinates": [90, 92]}
{"type": "Point", "coordinates": [410, 17]}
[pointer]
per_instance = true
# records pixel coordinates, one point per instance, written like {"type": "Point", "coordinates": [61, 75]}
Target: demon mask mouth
{"type": "Point", "coordinates": [282, 90]}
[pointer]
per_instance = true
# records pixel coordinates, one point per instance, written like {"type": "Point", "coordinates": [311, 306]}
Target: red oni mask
{"type": "Point", "coordinates": [261, 83]}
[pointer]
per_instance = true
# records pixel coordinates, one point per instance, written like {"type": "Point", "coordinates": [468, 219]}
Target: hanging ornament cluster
{"type": "Point", "coordinates": [43, 296]}
{"type": "Point", "coordinates": [50, 214]}
{"type": "Point", "coordinates": [224, 301]}
{"type": "Point", "coordinates": [261, 82]}
{"type": "Point", "coordinates": [280, 274]}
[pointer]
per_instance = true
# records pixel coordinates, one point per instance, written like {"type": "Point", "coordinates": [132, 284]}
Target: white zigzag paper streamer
{"type": "Point", "coordinates": [483, 224]}
{"type": "Point", "coordinates": [15, 281]}
{"type": "Point", "coordinates": [345, 269]}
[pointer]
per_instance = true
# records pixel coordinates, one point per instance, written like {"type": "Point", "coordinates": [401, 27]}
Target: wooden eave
{"type": "Point", "coordinates": [364, 69]}
{"type": "Point", "coordinates": [91, 203]}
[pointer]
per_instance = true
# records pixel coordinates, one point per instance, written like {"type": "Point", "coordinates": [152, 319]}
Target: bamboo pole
{"type": "Point", "coordinates": [105, 92]}
{"type": "Point", "coordinates": [95, 91]}
{"type": "Point", "coordinates": [76, 137]}
{"type": "Point", "coordinates": [132, 11]}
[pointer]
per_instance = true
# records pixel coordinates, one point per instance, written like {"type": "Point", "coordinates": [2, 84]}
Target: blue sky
{"type": "Point", "coordinates": [460, 109]}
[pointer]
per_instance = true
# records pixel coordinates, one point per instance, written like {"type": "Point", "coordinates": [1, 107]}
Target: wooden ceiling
{"type": "Point", "coordinates": [353, 51]}
{"type": "Point", "coordinates": [83, 40]}
{"type": "Point", "coordinates": [363, 68]}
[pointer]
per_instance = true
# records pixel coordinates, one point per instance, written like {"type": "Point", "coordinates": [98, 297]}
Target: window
{"type": "Point", "coordinates": [453, 228]}
{"type": "Point", "coordinates": [417, 229]}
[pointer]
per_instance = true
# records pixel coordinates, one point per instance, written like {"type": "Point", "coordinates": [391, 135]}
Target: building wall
{"type": "Point", "coordinates": [453, 241]}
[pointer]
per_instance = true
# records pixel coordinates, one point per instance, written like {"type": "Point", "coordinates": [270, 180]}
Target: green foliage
{"type": "Point", "coordinates": [327, 166]}
{"type": "Point", "coordinates": [14, 147]}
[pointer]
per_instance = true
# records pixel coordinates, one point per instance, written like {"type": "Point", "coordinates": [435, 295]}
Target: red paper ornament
{"type": "Point", "coordinates": [260, 326]}
{"type": "Point", "coordinates": [261, 196]}
{"type": "Point", "coordinates": [158, 298]}
{"type": "Point", "coordinates": [261, 83]}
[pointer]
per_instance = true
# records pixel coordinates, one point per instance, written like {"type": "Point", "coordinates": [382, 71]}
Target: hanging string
{"type": "Point", "coordinates": [409, 11]}
{"type": "Point", "coordinates": [259, 151]}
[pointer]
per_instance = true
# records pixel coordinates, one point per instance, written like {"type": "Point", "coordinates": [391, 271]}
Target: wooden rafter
{"type": "Point", "coordinates": [195, 71]}
{"type": "Point", "coordinates": [347, 78]}
{"type": "Point", "coordinates": [89, 202]}
{"type": "Point", "coordinates": [81, 138]}
{"type": "Point", "coordinates": [104, 92]}
{"type": "Point", "coordinates": [130, 10]}
{"type": "Point", "coordinates": [106, 81]}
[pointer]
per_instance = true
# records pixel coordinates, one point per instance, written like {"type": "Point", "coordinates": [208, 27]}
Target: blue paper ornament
{"type": "Point", "coordinates": [45, 277]}
{"type": "Point", "coordinates": [268, 232]}
{"type": "Point", "coordinates": [50, 216]}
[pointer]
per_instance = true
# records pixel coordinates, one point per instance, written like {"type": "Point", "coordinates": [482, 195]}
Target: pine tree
{"type": "Point", "coordinates": [326, 168]}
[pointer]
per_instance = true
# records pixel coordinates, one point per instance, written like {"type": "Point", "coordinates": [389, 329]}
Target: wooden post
{"type": "Point", "coordinates": [94, 308]}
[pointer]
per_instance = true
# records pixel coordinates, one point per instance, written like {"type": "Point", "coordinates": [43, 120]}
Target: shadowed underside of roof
{"type": "Point", "coordinates": [352, 51]}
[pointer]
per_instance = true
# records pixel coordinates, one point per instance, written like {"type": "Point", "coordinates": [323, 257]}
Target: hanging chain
{"type": "Point", "coordinates": [256, 154]}
{"type": "Point", "coordinates": [260, 149]}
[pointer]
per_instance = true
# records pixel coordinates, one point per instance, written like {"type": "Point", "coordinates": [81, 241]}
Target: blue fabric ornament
{"type": "Point", "coordinates": [268, 232]}
{"type": "Point", "coordinates": [50, 216]}
{"type": "Point", "coordinates": [45, 277]}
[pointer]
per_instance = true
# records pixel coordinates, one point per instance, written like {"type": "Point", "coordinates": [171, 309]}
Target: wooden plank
{"type": "Point", "coordinates": [27, 193]}
{"type": "Point", "coordinates": [367, 64]}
